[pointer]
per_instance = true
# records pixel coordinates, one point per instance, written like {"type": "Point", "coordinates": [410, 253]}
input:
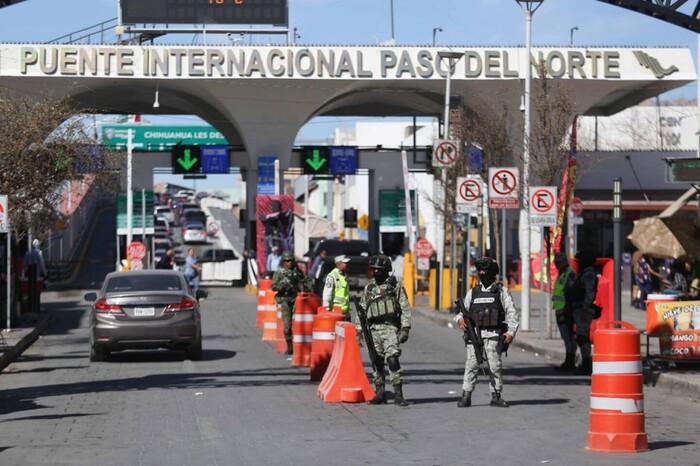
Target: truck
{"type": "Point", "coordinates": [359, 252]}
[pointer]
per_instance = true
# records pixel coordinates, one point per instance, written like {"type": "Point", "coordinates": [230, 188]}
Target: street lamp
{"type": "Point", "coordinates": [435, 31]}
{"type": "Point", "coordinates": [571, 36]}
{"type": "Point", "coordinates": [391, 6]}
{"type": "Point", "coordinates": [529, 7]}
{"type": "Point", "coordinates": [452, 59]}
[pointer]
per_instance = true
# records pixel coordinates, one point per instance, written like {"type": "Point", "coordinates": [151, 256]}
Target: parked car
{"type": "Point", "coordinates": [358, 251]}
{"type": "Point", "coordinates": [147, 309]}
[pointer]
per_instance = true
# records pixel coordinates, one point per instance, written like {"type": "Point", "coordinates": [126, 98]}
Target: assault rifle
{"type": "Point", "coordinates": [472, 335]}
{"type": "Point", "coordinates": [371, 350]}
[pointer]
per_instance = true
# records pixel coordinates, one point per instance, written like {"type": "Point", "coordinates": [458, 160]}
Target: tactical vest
{"type": "Point", "coordinates": [558, 297]}
{"type": "Point", "coordinates": [384, 306]}
{"type": "Point", "coordinates": [486, 308]}
{"type": "Point", "coordinates": [341, 291]}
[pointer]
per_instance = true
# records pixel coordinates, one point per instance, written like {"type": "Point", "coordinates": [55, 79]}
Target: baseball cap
{"type": "Point", "coordinates": [342, 258]}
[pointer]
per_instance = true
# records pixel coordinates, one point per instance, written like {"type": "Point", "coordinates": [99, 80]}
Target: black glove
{"type": "Point", "coordinates": [403, 335]}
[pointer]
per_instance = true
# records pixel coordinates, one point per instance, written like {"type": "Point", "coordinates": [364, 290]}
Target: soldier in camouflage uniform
{"type": "Point", "coordinates": [287, 281]}
{"type": "Point", "coordinates": [492, 309]}
{"type": "Point", "coordinates": [389, 320]}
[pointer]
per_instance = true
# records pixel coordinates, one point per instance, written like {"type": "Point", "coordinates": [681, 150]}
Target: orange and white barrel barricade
{"type": "Point", "coordinates": [302, 327]}
{"type": "Point", "coordinates": [617, 397]}
{"type": "Point", "coordinates": [322, 341]}
{"type": "Point", "coordinates": [269, 316]}
{"type": "Point", "coordinates": [345, 379]}
{"type": "Point", "coordinates": [265, 296]}
{"type": "Point", "coordinates": [280, 340]}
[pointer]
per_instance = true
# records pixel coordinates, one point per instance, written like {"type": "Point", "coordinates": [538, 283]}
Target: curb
{"type": "Point", "coordinates": [25, 342]}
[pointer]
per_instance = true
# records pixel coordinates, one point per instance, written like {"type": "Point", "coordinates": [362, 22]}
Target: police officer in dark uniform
{"type": "Point", "coordinates": [389, 320]}
{"type": "Point", "coordinates": [582, 300]}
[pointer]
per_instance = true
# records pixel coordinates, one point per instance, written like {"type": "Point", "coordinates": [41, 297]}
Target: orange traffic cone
{"type": "Point", "coordinates": [617, 397]}
{"type": "Point", "coordinates": [345, 379]}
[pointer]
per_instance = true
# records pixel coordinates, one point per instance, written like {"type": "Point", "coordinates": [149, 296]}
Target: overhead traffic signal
{"type": "Point", "coordinates": [186, 160]}
{"type": "Point", "coordinates": [315, 160]}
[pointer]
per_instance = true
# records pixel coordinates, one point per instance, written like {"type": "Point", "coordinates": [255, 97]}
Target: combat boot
{"type": "Point", "coordinates": [466, 400]}
{"type": "Point", "coordinates": [497, 401]}
{"type": "Point", "coordinates": [398, 392]}
{"type": "Point", "coordinates": [379, 398]}
{"type": "Point", "coordinates": [569, 364]}
{"type": "Point", "coordinates": [585, 368]}
{"type": "Point", "coordinates": [290, 347]}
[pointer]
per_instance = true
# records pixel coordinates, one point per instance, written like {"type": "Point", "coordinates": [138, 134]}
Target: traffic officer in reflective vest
{"type": "Point", "coordinates": [287, 281]}
{"type": "Point", "coordinates": [336, 291]}
{"type": "Point", "coordinates": [491, 307]}
{"type": "Point", "coordinates": [561, 296]}
{"type": "Point", "coordinates": [389, 320]}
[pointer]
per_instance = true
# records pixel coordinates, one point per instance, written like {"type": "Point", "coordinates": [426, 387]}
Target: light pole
{"type": "Point", "coordinates": [529, 7]}
{"type": "Point", "coordinates": [391, 6]}
{"type": "Point", "coordinates": [571, 35]}
{"type": "Point", "coordinates": [452, 59]}
{"type": "Point", "coordinates": [435, 31]}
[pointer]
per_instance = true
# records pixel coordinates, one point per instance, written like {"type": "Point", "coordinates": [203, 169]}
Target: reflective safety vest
{"type": "Point", "coordinates": [558, 294]}
{"type": "Point", "coordinates": [341, 291]}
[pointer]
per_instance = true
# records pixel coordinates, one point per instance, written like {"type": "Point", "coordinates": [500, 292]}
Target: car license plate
{"type": "Point", "coordinates": [144, 311]}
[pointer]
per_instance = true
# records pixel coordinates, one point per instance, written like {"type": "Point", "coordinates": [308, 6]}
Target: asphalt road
{"type": "Point", "coordinates": [243, 404]}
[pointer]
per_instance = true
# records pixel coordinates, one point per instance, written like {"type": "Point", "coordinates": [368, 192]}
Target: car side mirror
{"type": "Point", "coordinates": [90, 297]}
{"type": "Point", "coordinates": [201, 294]}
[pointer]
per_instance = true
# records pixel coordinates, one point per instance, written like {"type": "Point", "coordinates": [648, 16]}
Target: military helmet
{"type": "Point", "coordinates": [488, 264]}
{"type": "Point", "coordinates": [288, 256]}
{"type": "Point", "coordinates": [380, 261]}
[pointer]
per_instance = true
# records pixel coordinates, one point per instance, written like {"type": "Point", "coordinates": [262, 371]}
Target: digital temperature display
{"type": "Point", "coordinates": [269, 12]}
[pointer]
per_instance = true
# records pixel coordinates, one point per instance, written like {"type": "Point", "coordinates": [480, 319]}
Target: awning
{"type": "Point", "coordinates": [666, 237]}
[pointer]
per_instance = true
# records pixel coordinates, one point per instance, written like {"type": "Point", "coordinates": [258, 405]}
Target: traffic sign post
{"type": "Point", "coordinates": [136, 251]}
{"type": "Point", "coordinates": [469, 191]}
{"type": "Point", "coordinates": [543, 206]}
{"type": "Point", "coordinates": [4, 214]}
{"type": "Point", "coordinates": [424, 250]}
{"type": "Point", "coordinates": [503, 188]}
{"type": "Point", "coordinates": [444, 153]}
{"type": "Point", "coordinates": [577, 206]}
{"type": "Point", "coordinates": [213, 228]}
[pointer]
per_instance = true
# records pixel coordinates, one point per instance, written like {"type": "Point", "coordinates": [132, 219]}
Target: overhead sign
{"type": "Point", "coordinates": [155, 138]}
{"type": "Point", "coordinates": [470, 189]}
{"type": "Point", "coordinates": [503, 188]}
{"type": "Point", "coordinates": [683, 170]}
{"type": "Point", "coordinates": [186, 160]}
{"type": "Point", "coordinates": [343, 160]}
{"type": "Point", "coordinates": [136, 250]}
{"type": "Point", "coordinates": [392, 210]}
{"type": "Point", "coordinates": [271, 12]}
{"type": "Point", "coordinates": [315, 160]}
{"type": "Point", "coordinates": [4, 214]}
{"type": "Point", "coordinates": [266, 175]}
{"type": "Point", "coordinates": [444, 153]}
{"type": "Point", "coordinates": [140, 224]}
{"type": "Point", "coordinates": [543, 206]}
{"type": "Point", "coordinates": [215, 159]}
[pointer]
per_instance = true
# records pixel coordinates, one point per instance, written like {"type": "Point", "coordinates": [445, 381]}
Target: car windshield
{"type": "Point", "coordinates": [144, 283]}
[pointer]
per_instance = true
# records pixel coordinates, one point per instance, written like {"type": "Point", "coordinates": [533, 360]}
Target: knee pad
{"type": "Point", "coordinates": [393, 362]}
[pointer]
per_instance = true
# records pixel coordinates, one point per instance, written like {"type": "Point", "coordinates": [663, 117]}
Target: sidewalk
{"type": "Point", "coordinates": [686, 377]}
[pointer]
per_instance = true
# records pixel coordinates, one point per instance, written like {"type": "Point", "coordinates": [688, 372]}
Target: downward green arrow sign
{"type": "Point", "coordinates": [188, 161]}
{"type": "Point", "coordinates": [317, 161]}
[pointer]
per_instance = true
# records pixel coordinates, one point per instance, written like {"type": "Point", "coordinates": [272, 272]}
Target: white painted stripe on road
{"type": "Point", "coordinates": [625, 405]}
{"type": "Point", "coordinates": [617, 367]}
{"type": "Point", "coordinates": [323, 335]}
{"type": "Point", "coordinates": [270, 325]}
{"type": "Point", "coordinates": [301, 339]}
{"type": "Point", "coordinates": [304, 317]}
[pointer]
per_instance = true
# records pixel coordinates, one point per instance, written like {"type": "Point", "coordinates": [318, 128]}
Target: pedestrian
{"type": "Point", "coordinates": [678, 283]}
{"type": "Point", "coordinates": [287, 281]}
{"type": "Point", "coordinates": [389, 321]}
{"type": "Point", "coordinates": [336, 291]}
{"type": "Point", "coordinates": [35, 271]}
{"type": "Point", "coordinates": [582, 304]}
{"type": "Point", "coordinates": [192, 270]}
{"type": "Point", "coordinates": [490, 306]}
{"type": "Point", "coordinates": [566, 280]}
{"type": "Point", "coordinates": [273, 260]}
{"type": "Point", "coordinates": [167, 260]}
{"type": "Point", "coordinates": [644, 279]}
{"type": "Point", "coordinates": [316, 271]}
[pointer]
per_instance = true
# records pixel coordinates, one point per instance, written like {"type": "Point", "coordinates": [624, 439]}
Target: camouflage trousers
{"type": "Point", "coordinates": [471, 367]}
{"type": "Point", "coordinates": [386, 342]}
{"type": "Point", "coordinates": [287, 308]}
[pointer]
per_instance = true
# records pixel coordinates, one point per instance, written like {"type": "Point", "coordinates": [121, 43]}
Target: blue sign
{"type": "Point", "coordinates": [343, 160]}
{"type": "Point", "coordinates": [266, 175]}
{"type": "Point", "coordinates": [215, 159]}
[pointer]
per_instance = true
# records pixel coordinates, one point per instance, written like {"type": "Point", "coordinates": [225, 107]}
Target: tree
{"type": "Point", "coordinates": [45, 143]}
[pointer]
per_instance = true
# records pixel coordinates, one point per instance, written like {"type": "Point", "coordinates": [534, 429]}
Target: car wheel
{"type": "Point", "coordinates": [98, 354]}
{"type": "Point", "coordinates": [194, 351]}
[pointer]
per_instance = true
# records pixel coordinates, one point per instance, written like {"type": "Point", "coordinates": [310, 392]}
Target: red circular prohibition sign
{"type": "Point", "coordinates": [542, 201]}
{"type": "Point", "coordinates": [507, 183]}
{"type": "Point", "coordinates": [470, 190]}
{"type": "Point", "coordinates": [446, 153]}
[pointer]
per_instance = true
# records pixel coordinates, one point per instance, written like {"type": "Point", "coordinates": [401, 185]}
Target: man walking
{"type": "Point", "coordinates": [582, 299]}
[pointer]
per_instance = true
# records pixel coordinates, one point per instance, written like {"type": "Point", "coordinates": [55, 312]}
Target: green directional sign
{"type": "Point", "coordinates": [186, 160]}
{"type": "Point", "coordinates": [315, 160]}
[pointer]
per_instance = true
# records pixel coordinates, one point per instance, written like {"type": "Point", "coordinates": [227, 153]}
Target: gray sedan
{"type": "Point", "coordinates": [145, 309]}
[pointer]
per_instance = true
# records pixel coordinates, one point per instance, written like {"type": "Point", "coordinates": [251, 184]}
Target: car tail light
{"type": "Point", "coordinates": [103, 307]}
{"type": "Point", "coordinates": [185, 304]}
